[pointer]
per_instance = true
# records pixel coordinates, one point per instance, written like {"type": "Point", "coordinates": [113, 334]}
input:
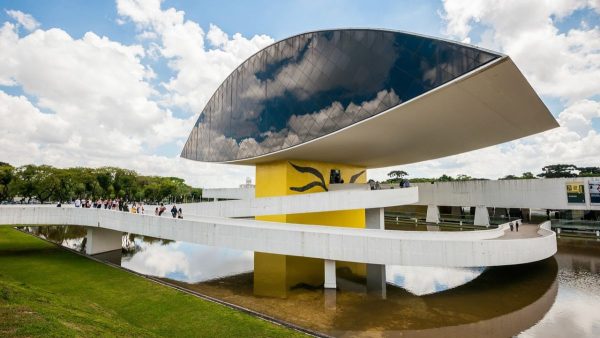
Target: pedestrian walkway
{"type": "Point", "coordinates": [372, 246]}
{"type": "Point", "coordinates": [526, 230]}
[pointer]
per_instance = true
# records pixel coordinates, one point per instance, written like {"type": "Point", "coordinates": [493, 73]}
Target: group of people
{"type": "Point", "coordinates": [118, 204]}
{"type": "Point", "coordinates": [516, 225]}
{"type": "Point", "coordinates": [110, 204]}
{"type": "Point", "coordinates": [176, 213]}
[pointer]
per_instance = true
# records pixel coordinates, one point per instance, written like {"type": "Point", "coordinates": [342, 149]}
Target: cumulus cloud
{"type": "Point", "coordinates": [199, 70]}
{"type": "Point", "coordinates": [158, 260]}
{"type": "Point", "coordinates": [25, 20]}
{"type": "Point", "coordinates": [560, 64]}
{"type": "Point", "coordinates": [420, 280]}
{"type": "Point", "coordinates": [96, 88]}
{"type": "Point", "coordinates": [575, 141]}
{"type": "Point", "coordinates": [90, 101]}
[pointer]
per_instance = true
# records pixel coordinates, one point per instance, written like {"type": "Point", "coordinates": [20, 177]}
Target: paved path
{"type": "Point", "coordinates": [525, 231]}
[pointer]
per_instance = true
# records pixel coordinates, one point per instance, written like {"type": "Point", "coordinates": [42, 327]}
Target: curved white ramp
{"type": "Point", "coordinates": [449, 249]}
{"type": "Point", "coordinates": [304, 203]}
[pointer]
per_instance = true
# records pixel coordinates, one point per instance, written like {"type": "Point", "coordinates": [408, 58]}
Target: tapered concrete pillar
{"type": "Point", "coordinates": [374, 218]}
{"type": "Point", "coordinates": [375, 272]}
{"type": "Point", "coordinates": [526, 212]}
{"type": "Point", "coordinates": [100, 240]}
{"type": "Point", "coordinates": [481, 216]}
{"type": "Point", "coordinates": [330, 278]}
{"type": "Point", "coordinates": [433, 214]}
{"type": "Point", "coordinates": [376, 283]}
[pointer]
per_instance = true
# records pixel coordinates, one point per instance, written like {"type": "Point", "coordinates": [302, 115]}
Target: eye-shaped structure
{"type": "Point", "coordinates": [366, 97]}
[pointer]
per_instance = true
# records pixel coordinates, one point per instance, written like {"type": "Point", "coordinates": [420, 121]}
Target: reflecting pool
{"type": "Point", "coordinates": [557, 297]}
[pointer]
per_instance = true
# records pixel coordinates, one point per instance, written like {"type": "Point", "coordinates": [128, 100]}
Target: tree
{"type": "Point", "coordinates": [196, 194]}
{"type": "Point", "coordinates": [125, 183]}
{"type": "Point", "coordinates": [104, 177]}
{"type": "Point", "coordinates": [39, 182]}
{"type": "Point", "coordinates": [65, 189]}
{"type": "Point", "coordinates": [525, 176]}
{"type": "Point", "coordinates": [558, 170]}
{"type": "Point", "coordinates": [589, 171]}
{"type": "Point", "coordinates": [396, 175]}
{"type": "Point", "coordinates": [528, 176]}
{"type": "Point", "coordinates": [7, 173]}
{"type": "Point", "coordinates": [445, 178]}
{"type": "Point", "coordinates": [47, 183]}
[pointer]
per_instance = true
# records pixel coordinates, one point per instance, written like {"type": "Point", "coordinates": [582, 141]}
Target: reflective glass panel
{"type": "Point", "coordinates": [310, 85]}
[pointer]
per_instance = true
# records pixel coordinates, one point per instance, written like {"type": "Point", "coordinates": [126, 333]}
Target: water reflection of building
{"type": "Point", "coordinates": [501, 302]}
{"type": "Point", "coordinates": [579, 255]}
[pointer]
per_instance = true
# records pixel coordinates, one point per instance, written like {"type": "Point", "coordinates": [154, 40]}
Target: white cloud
{"type": "Point", "coordinates": [199, 70]}
{"type": "Point", "coordinates": [89, 102]}
{"type": "Point", "coordinates": [565, 65]}
{"type": "Point", "coordinates": [25, 20]}
{"type": "Point", "coordinates": [575, 142]}
{"type": "Point", "coordinates": [423, 280]}
{"type": "Point", "coordinates": [158, 260]}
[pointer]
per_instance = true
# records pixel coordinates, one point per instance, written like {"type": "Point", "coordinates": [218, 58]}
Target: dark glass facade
{"type": "Point", "coordinates": [312, 84]}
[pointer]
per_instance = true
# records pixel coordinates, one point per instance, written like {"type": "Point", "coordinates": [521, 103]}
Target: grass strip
{"type": "Point", "coordinates": [47, 291]}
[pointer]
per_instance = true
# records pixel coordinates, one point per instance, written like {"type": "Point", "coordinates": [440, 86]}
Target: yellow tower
{"type": "Point", "coordinates": [275, 274]}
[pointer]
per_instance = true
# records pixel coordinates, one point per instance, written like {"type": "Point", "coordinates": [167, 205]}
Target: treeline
{"type": "Point", "coordinates": [397, 176]}
{"type": "Point", "coordinates": [558, 171]}
{"type": "Point", "coordinates": [45, 183]}
{"type": "Point", "coordinates": [550, 171]}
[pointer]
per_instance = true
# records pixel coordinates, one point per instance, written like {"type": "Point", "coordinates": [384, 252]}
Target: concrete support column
{"type": "Point", "coordinates": [376, 283]}
{"type": "Point", "coordinates": [433, 214]}
{"type": "Point", "coordinates": [375, 218]}
{"type": "Point", "coordinates": [100, 240]}
{"type": "Point", "coordinates": [330, 282]}
{"type": "Point", "coordinates": [526, 214]}
{"type": "Point", "coordinates": [481, 216]}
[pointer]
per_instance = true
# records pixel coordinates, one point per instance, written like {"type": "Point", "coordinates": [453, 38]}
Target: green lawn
{"type": "Point", "coordinates": [47, 291]}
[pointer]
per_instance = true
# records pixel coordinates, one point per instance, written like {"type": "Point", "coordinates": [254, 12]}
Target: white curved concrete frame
{"type": "Point", "coordinates": [547, 193]}
{"type": "Point", "coordinates": [373, 246]}
{"type": "Point", "coordinates": [303, 203]}
{"type": "Point", "coordinates": [229, 193]}
{"type": "Point", "coordinates": [489, 105]}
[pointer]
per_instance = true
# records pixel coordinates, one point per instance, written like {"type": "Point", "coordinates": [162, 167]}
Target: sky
{"type": "Point", "coordinates": [101, 83]}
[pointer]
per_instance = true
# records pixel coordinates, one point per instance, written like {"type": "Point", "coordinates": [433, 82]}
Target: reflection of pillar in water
{"type": "Point", "coordinates": [376, 284]}
{"type": "Point", "coordinates": [433, 227]}
{"type": "Point", "coordinates": [330, 299]}
{"type": "Point", "coordinates": [102, 240]}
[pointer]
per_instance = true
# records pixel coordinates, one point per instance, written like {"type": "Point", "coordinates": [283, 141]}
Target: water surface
{"type": "Point", "coordinates": [558, 297]}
